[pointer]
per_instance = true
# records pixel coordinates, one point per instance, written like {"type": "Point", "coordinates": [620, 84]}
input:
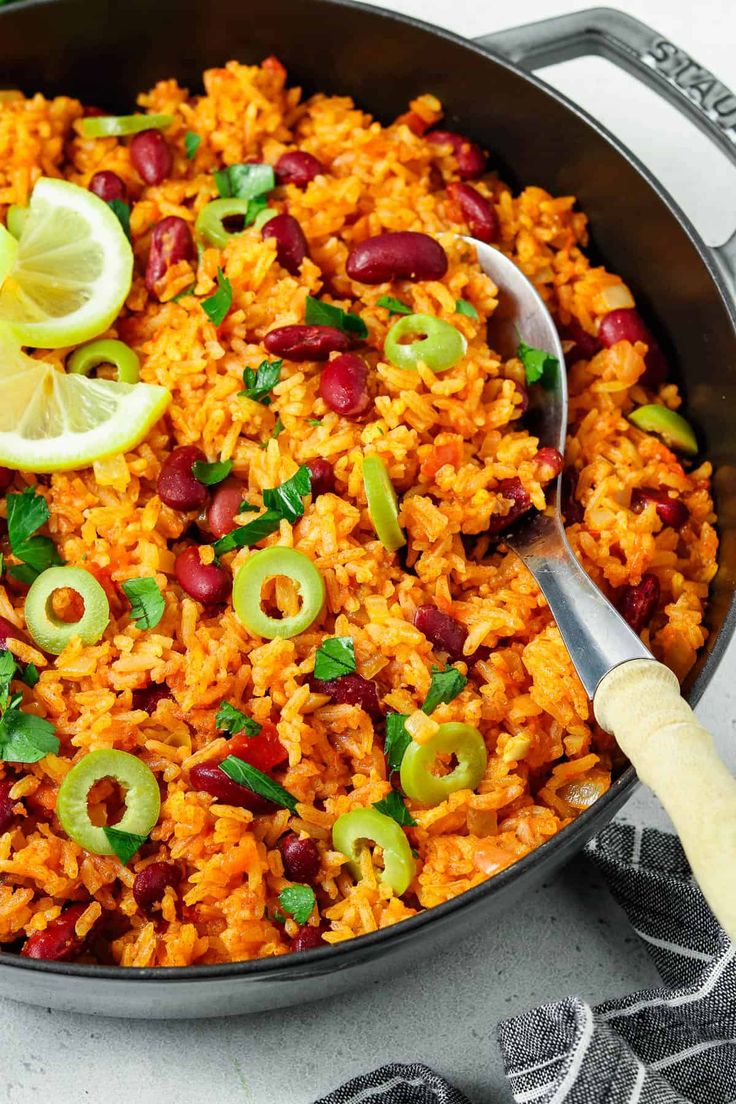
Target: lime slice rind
{"type": "Point", "coordinates": [72, 272]}
{"type": "Point", "coordinates": [8, 252]}
{"type": "Point", "coordinates": [73, 449]}
{"type": "Point", "coordinates": [56, 421]}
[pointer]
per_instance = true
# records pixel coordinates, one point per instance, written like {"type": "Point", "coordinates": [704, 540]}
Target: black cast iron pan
{"type": "Point", "coordinates": [106, 51]}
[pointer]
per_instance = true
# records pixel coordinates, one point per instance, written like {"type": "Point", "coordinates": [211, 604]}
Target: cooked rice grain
{"type": "Point", "coordinates": [447, 441]}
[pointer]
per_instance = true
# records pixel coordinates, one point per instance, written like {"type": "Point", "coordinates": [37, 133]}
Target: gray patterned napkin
{"type": "Point", "coordinates": [674, 1045]}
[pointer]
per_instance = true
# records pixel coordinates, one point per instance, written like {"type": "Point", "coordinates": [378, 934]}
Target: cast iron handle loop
{"type": "Point", "coordinates": [643, 52]}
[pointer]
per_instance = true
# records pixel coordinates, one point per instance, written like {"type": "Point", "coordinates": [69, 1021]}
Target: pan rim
{"type": "Point", "coordinates": [328, 958]}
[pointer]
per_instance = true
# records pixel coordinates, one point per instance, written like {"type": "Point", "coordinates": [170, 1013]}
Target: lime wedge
{"type": "Point", "coordinates": [54, 421]}
{"type": "Point", "coordinates": [72, 270]}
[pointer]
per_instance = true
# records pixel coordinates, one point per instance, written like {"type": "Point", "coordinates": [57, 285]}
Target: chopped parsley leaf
{"type": "Point", "coordinates": [284, 501]}
{"type": "Point", "coordinates": [277, 429]}
{"type": "Point", "coordinates": [24, 737]}
{"type": "Point", "coordinates": [335, 657]}
{"type": "Point", "coordinates": [258, 782]}
{"type": "Point", "coordinates": [392, 305]}
{"type": "Point", "coordinates": [287, 498]}
{"type": "Point", "coordinates": [210, 474]}
{"type": "Point", "coordinates": [397, 739]}
{"type": "Point", "coordinates": [462, 306]}
{"type": "Point", "coordinates": [124, 844]}
{"type": "Point", "coordinates": [27, 512]}
{"type": "Point", "coordinates": [245, 181]}
{"type": "Point", "coordinates": [259, 382]}
{"type": "Point", "coordinates": [444, 687]}
{"type": "Point", "coordinates": [319, 313]}
{"type": "Point", "coordinates": [298, 901]}
{"type": "Point", "coordinates": [147, 603]}
{"type": "Point", "coordinates": [232, 720]}
{"type": "Point", "coordinates": [7, 674]}
{"type": "Point", "coordinates": [30, 675]}
{"type": "Point", "coordinates": [217, 305]}
{"type": "Point", "coordinates": [192, 143]}
{"type": "Point", "coordinates": [121, 210]}
{"type": "Point", "coordinates": [539, 366]}
{"type": "Point", "coordinates": [250, 533]}
{"type": "Point", "coordinates": [393, 806]}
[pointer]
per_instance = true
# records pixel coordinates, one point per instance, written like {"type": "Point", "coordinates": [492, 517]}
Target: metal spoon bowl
{"type": "Point", "coordinates": [634, 697]}
{"type": "Point", "coordinates": [595, 634]}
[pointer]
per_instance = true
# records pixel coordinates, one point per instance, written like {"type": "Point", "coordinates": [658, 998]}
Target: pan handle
{"type": "Point", "coordinates": [643, 52]}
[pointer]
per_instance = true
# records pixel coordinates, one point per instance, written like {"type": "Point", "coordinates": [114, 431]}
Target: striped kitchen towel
{"type": "Point", "coordinates": [674, 1045]}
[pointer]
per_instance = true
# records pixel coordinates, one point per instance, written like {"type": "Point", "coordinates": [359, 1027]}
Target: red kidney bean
{"type": "Point", "coordinates": [471, 161]}
{"type": "Point", "coordinates": [209, 583]}
{"type": "Point", "coordinates": [301, 858]}
{"type": "Point", "coordinates": [672, 511]}
{"type": "Point", "coordinates": [291, 245]}
{"type": "Point", "coordinates": [171, 242]}
{"type": "Point", "coordinates": [308, 938]}
{"type": "Point", "coordinates": [480, 216]}
{"type": "Point", "coordinates": [572, 510]}
{"type": "Point", "coordinates": [151, 156]}
{"type": "Point", "coordinates": [442, 630]}
{"type": "Point", "coordinates": [6, 804]}
{"type": "Point", "coordinates": [586, 345]}
{"type": "Point", "coordinates": [264, 751]}
{"type": "Point", "coordinates": [343, 385]}
{"type": "Point", "coordinates": [9, 630]}
{"type": "Point", "coordinates": [322, 475]}
{"type": "Point", "coordinates": [638, 603]}
{"type": "Point", "coordinates": [108, 186]}
{"type": "Point", "coordinates": [208, 778]}
{"type": "Point", "coordinates": [58, 941]}
{"type": "Point", "coordinates": [628, 325]}
{"type": "Point", "coordinates": [6, 479]}
{"type": "Point", "coordinates": [177, 486]}
{"type": "Point", "coordinates": [399, 255]}
{"type": "Point", "coordinates": [352, 690]}
{"type": "Point", "coordinates": [148, 697]}
{"type": "Point", "coordinates": [306, 342]}
{"type": "Point", "coordinates": [150, 884]}
{"type": "Point", "coordinates": [225, 504]}
{"type": "Point", "coordinates": [297, 167]}
{"type": "Point", "coordinates": [514, 489]}
{"type": "Point", "coordinates": [550, 461]}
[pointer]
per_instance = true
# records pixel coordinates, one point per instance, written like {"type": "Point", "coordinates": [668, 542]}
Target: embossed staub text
{"type": "Point", "coordinates": [696, 82]}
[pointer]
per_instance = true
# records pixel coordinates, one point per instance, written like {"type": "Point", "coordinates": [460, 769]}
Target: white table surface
{"type": "Point", "coordinates": [567, 937]}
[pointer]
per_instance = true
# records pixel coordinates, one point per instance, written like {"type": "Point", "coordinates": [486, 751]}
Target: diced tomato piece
{"type": "Point", "coordinates": [444, 452]}
{"type": "Point", "coordinates": [415, 122]}
{"type": "Point", "coordinates": [264, 751]}
{"type": "Point", "coordinates": [272, 65]}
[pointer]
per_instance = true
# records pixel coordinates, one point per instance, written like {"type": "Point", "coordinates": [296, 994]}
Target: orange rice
{"type": "Point", "coordinates": [447, 441]}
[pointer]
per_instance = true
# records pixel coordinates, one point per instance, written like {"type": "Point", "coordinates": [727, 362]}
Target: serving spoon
{"type": "Point", "coordinates": [635, 698]}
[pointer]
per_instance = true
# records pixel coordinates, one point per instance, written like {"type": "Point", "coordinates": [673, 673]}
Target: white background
{"type": "Point", "coordinates": [568, 937]}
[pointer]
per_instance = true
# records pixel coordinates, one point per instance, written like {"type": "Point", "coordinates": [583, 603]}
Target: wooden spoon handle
{"type": "Point", "coordinates": [639, 702]}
